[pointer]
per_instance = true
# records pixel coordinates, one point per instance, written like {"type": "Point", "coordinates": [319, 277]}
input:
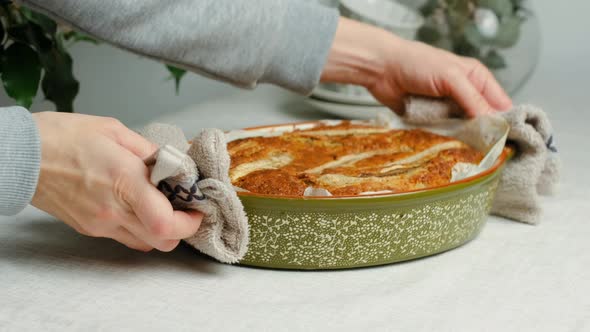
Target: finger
{"type": "Point", "coordinates": [125, 237]}
{"type": "Point", "coordinates": [157, 223]}
{"type": "Point", "coordinates": [136, 227]}
{"type": "Point", "coordinates": [397, 105]}
{"type": "Point", "coordinates": [155, 212]}
{"type": "Point", "coordinates": [467, 96]}
{"type": "Point", "coordinates": [391, 99]}
{"type": "Point", "coordinates": [485, 82]}
{"type": "Point", "coordinates": [134, 142]}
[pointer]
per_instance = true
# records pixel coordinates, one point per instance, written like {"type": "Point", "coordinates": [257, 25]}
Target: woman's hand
{"type": "Point", "coordinates": [391, 68]}
{"type": "Point", "coordinates": [93, 178]}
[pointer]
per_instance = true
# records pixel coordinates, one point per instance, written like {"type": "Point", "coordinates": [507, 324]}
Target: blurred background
{"type": "Point", "coordinates": [136, 90]}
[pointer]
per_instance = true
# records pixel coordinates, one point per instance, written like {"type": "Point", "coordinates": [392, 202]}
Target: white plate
{"type": "Point", "coordinates": [346, 111]}
{"type": "Point", "coordinates": [347, 94]}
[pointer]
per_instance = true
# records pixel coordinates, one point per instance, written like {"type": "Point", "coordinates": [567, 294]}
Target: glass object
{"type": "Point", "coordinates": [503, 34]}
{"type": "Point", "coordinates": [522, 59]}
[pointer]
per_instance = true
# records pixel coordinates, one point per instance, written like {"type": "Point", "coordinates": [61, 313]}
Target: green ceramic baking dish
{"type": "Point", "coordinates": [347, 232]}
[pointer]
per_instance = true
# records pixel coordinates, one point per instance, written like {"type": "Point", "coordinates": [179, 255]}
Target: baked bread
{"type": "Point", "coordinates": [346, 159]}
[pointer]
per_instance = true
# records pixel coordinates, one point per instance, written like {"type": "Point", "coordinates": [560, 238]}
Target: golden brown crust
{"type": "Point", "coordinates": [272, 182]}
{"type": "Point", "coordinates": [346, 159]}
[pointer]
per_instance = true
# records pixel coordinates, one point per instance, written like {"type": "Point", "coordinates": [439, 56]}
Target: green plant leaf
{"type": "Point", "coordinates": [517, 4]}
{"type": "Point", "coordinates": [75, 36]}
{"type": "Point", "coordinates": [457, 21]}
{"type": "Point", "coordinates": [429, 34]}
{"type": "Point", "coordinates": [53, 65]}
{"type": "Point", "coordinates": [508, 32]}
{"type": "Point", "coordinates": [429, 7]}
{"type": "Point", "coordinates": [18, 33]}
{"type": "Point", "coordinates": [465, 48]}
{"type": "Point", "coordinates": [83, 38]}
{"type": "Point", "coordinates": [176, 74]}
{"type": "Point", "coordinates": [502, 8]}
{"type": "Point", "coordinates": [59, 84]}
{"type": "Point", "coordinates": [47, 24]}
{"type": "Point", "coordinates": [32, 35]}
{"type": "Point", "coordinates": [473, 36]}
{"type": "Point", "coordinates": [2, 33]}
{"type": "Point", "coordinates": [21, 72]}
{"type": "Point", "coordinates": [461, 7]}
{"type": "Point", "coordinates": [494, 60]}
{"type": "Point", "coordinates": [445, 43]}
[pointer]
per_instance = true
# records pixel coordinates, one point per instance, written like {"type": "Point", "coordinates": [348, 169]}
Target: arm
{"type": "Point", "coordinates": [243, 42]}
{"type": "Point", "coordinates": [20, 156]}
{"type": "Point", "coordinates": [285, 42]}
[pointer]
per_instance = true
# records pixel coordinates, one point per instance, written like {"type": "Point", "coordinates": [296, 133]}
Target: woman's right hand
{"type": "Point", "coordinates": [93, 178]}
{"type": "Point", "coordinates": [392, 68]}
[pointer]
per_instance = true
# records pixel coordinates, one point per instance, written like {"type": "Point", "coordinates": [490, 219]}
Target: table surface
{"type": "Point", "coordinates": [513, 277]}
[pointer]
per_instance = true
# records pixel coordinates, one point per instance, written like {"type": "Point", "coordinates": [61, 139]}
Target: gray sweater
{"type": "Point", "coordinates": [242, 42]}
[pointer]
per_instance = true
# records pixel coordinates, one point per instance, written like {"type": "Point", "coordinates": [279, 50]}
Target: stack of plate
{"type": "Point", "coordinates": [345, 101]}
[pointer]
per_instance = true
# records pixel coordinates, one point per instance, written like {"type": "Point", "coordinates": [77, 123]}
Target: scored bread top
{"type": "Point", "coordinates": [346, 159]}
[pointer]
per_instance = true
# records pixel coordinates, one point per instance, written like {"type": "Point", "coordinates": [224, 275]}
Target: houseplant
{"type": "Point", "coordinates": [34, 55]}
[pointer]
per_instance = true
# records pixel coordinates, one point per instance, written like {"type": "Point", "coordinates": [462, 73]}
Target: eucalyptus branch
{"type": "Point", "coordinates": [476, 28]}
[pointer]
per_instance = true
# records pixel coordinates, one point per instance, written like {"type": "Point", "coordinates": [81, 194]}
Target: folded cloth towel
{"type": "Point", "coordinates": [196, 176]}
{"type": "Point", "coordinates": [533, 170]}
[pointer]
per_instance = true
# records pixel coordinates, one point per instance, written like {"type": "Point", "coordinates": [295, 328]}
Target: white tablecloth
{"type": "Point", "coordinates": [513, 277]}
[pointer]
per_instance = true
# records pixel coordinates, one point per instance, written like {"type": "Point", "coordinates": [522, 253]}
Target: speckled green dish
{"type": "Point", "coordinates": [347, 232]}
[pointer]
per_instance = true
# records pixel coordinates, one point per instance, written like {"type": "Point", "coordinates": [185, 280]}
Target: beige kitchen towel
{"type": "Point", "coordinates": [195, 176]}
{"type": "Point", "coordinates": [534, 169]}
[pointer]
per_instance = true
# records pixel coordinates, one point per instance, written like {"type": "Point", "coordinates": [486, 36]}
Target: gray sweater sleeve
{"type": "Point", "coordinates": [243, 42]}
{"type": "Point", "coordinates": [20, 156]}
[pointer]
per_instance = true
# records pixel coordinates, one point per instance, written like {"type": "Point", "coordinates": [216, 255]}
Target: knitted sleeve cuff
{"type": "Point", "coordinates": [20, 158]}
